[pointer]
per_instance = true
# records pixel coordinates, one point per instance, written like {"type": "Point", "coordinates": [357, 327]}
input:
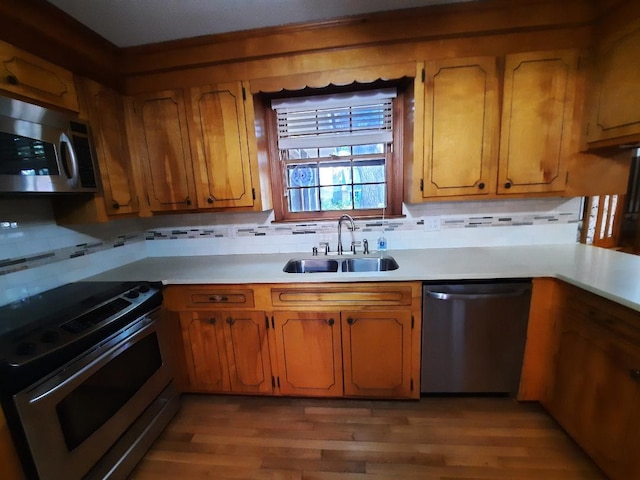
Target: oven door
{"type": "Point", "coordinates": [74, 416]}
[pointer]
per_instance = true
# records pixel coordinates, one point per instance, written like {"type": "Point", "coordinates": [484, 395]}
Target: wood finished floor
{"type": "Point", "coordinates": [225, 437]}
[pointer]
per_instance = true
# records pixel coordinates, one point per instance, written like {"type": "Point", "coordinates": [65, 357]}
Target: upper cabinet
{"type": "Point", "coordinates": [460, 127]}
{"type": "Point", "coordinates": [219, 142]}
{"type": "Point", "coordinates": [29, 76]}
{"type": "Point", "coordinates": [104, 109]}
{"type": "Point", "coordinates": [195, 147]}
{"type": "Point", "coordinates": [160, 139]}
{"type": "Point", "coordinates": [463, 150]}
{"type": "Point", "coordinates": [537, 119]}
{"type": "Point", "coordinates": [614, 108]}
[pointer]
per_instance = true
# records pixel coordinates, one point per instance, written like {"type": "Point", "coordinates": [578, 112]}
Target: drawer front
{"type": "Point", "coordinates": [191, 298]}
{"type": "Point", "coordinates": [319, 296]}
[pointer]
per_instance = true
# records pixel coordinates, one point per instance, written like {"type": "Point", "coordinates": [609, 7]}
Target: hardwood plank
{"type": "Point", "coordinates": [271, 438]}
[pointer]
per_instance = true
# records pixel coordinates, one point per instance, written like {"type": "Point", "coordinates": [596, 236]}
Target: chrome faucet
{"type": "Point", "coordinates": [352, 227]}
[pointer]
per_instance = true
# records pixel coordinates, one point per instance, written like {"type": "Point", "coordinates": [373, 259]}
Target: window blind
{"type": "Point", "coordinates": [355, 118]}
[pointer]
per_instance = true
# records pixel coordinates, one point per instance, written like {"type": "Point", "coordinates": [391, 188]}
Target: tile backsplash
{"type": "Point", "coordinates": [37, 254]}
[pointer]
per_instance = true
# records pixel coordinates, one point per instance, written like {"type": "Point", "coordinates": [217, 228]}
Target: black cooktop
{"type": "Point", "coordinates": [42, 332]}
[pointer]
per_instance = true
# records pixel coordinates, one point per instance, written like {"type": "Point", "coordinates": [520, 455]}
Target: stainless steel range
{"type": "Point", "coordinates": [86, 378]}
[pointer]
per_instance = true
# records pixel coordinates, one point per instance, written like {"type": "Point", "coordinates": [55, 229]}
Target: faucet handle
{"type": "Point", "coordinates": [325, 247]}
{"type": "Point", "coordinates": [354, 244]}
{"type": "Point", "coordinates": [365, 244]}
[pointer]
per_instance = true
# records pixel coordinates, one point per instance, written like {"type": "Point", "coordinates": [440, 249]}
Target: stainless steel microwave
{"type": "Point", "coordinates": [44, 151]}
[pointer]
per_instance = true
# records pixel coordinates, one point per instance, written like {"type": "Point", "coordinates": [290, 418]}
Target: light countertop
{"type": "Point", "coordinates": [607, 273]}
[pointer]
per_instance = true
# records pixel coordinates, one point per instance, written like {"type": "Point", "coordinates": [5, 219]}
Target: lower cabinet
{"type": "Point", "coordinates": [596, 388]}
{"type": "Point", "coordinates": [226, 351]}
{"type": "Point", "coordinates": [333, 340]}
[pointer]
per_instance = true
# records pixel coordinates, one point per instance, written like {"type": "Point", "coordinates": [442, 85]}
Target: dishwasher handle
{"type": "Point", "coordinates": [474, 296]}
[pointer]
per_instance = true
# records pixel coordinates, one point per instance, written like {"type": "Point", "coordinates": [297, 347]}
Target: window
{"type": "Point", "coordinates": [337, 153]}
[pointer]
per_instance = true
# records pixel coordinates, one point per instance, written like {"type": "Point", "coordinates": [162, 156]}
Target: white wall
{"type": "Point", "coordinates": [36, 254]}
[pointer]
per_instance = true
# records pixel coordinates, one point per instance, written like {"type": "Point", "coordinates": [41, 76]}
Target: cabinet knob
{"type": "Point", "coordinates": [330, 322]}
{"type": "Point", "coordinates": [12, 80]}
{"type": "Point", "coordinates": [635, 374]}
{"type": "Point", "coordinates": [351, 321]}
{"type": "Point", "coordinates": [218, 298]}
{"type": "Point", "coordinates": [212, 321]}
{"type": "Point", "coordinates": [481, 185]}
{"type": "Point", "coordinates": [230, 321]}
{"type": "Point", "coordinates": [115, 205]}
{"type": "Point", "coordinates": [210, 200]}
{"type": "Point", "coordinates": [187, 201]}
{"type": "Point", "coordinates": [507, 185]}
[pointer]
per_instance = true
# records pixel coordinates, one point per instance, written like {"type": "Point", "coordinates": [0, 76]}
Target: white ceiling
{"type": "Point", "coordinates": [127, 23]}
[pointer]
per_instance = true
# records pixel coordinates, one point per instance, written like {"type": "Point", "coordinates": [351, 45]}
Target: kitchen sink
{"type": "Point", "coordinates": [369, 264]}
{"type": "Point", "coordinates": [355, 264]}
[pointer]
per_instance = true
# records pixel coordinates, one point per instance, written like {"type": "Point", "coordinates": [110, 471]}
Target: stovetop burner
{"type": "Point", "coordinates": [42, 332]}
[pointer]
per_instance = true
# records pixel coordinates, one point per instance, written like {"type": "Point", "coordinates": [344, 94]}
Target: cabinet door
{"type": "Point", "coordinates": [615, 110]}
{"type": "Point", "coordinates": [537, 117]}
{"type": "Point", "coordinates": [203, 339]}
{"type": "Point", "coordinates": [309, 353]}
{"type": "Point", "coordinates": [247, 352]}
{"type": "Point", "coordinates": [30, 76]}
{"type": "Point", "coordinates": [106, 115]}
{"type": "Point", "coordinates": [377, 353]}
{"type": "Point", "coordinates": [460, 127]}
{"type": "Point", "coordinates": [218, 134]}
{"type": "Point", "coordinates": [596, 394]}
{"type": "Point", "coordinates": [162, 141]}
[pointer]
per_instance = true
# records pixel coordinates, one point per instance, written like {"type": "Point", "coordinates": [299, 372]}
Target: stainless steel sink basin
{"type": "Point", "coordinates": [369, 264]}
{"type": "Point", "coordinates": [354, 264]}
{"type": "Point", "coordinates": [312, 265]}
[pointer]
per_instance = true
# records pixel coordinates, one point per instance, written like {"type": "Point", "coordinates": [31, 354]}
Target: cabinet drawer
{"type": "Point", "coordinates": [374, 295]}
{"type": "Point", "coordinates": [190, 298]}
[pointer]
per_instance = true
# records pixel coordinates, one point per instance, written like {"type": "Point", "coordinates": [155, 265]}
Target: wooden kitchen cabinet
{"type": "Point", "coordinates": [596, 385]}
{"type": "Point", "coordinates": [105, 112]}
{"type": "Point", "coordinates": [160, 139]}
{"type": "Point", "coordinates": [226, 351]}
{"type": "Point", "coordinates": [309, 353]}
{"type": "Point", "coordinates": [376, 349]}
{"type": "Point", "coordinates": [219, 137]}
{"type": "Point", "coordinates": [460, 127]}
{"type": "Point", "coordinates": [29, 76]}
{"type": "Point", "coordinates": [536, 137]}
{"type": "Point", "coordinates": [614, 108]}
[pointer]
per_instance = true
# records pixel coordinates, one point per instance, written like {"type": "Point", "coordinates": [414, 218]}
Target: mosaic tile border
{"type": "Point", "coordinates": [11, 265]}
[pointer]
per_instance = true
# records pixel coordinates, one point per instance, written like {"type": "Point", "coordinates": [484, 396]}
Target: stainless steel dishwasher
{"type": "Point", "coordinates": [473, 336]}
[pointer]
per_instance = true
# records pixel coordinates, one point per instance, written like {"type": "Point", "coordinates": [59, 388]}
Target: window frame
{"type": "Point", "coordinates": [394, 168]}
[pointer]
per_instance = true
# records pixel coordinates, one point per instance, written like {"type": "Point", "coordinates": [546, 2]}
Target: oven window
{"type": "Point", "coordinates": [96, 400]}
{"type": "Point", "coordinates": [26, 156]}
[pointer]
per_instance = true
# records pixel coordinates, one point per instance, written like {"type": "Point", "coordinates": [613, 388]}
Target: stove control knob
{"type": "Point", "coordinates": [144, 288]}
{"type": "Point", "coordinates": [132, 294]}
{"type": "Point", "coordinates": [49, 336]}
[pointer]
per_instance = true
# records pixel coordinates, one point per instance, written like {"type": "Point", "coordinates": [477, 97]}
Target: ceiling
{"type": "Point", "coordinates": [127, 23]}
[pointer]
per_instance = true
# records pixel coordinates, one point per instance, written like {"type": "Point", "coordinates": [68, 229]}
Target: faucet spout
{"type": "Point", "coordinates": [352, 227]}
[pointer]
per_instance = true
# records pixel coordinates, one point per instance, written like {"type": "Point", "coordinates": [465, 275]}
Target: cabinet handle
{"type": "Point", "coordinates": [187, 201]}
{"type": "Point", "coordinates": [115, 205]}
{"type": "Point", "coordinates": [481, 185]}
{"type": "Point", "coordinates": [210, 200]}
{"type": "Point", "coordinates": [635, 374]}
{"type": "Point", "coordinates": [212, 321]}
{"type": "Point", "coordinates": [330, 322]}
{"type": "Point", "coordinates": [230, 321]}
{"type": "Point", "coordinates": [218, 298]}
{"type": "Point", "coordinates": [507, 185]}
{"type": "Point", "coordinates": [12, 80]}
{"type": "Point", "coordinates": [351, 321]}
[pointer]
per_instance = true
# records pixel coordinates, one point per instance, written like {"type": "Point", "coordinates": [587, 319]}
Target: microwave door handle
{"type": "Point", "coordinates": [68, 159]}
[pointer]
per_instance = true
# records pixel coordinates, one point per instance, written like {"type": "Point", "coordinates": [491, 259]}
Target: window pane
{"type": "Point", "coordinates": [369, 171]}
{"type": "Point", "coordinates": [335, 151]}
{"type": "Point", "coordinates": [335, 174]}
{"type": "Point", "coordinates": [367, 149]}
{"type": "Point", "coordinates": [369, 196]}
{"type": "Point", "coordinates": [304, 200]}
{"type": "Point", "coordinates": [303, 175]}
{"type": "Point", "coordinates": [296, 153]}
{"type": "Point", "coordinates": [336, 198]}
